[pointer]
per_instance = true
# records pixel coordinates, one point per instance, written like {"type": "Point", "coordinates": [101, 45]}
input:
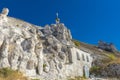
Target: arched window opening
{"type": "Point", "coordinates": [87, 58]}
{"type": "Point", "coordinates": [78, 56]}
{"type": "Point", "coordinates": [83, 57]}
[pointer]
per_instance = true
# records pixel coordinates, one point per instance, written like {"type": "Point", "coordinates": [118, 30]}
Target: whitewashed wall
{"type": "Point", "coordinates": [77, 63]}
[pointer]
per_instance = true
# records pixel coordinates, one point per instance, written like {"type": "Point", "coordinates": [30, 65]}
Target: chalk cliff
{"type": "Point", "coordinates": [46, 53]}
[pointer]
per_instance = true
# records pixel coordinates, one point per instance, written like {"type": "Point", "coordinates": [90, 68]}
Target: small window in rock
{"type": "Point", "coordinates": [78, 56]}
{"type": "Point", "coordinates": [83, 57]}
{"type": "Point", "coordinates": [87, 58]}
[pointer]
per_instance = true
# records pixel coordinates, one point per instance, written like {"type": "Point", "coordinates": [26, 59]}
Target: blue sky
{"type": "Point", "coordinates": [88, 20]}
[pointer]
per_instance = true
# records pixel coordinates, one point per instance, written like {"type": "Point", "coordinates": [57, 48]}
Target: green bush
{"type": "Point", "coordinates": [44, 65]}
{"type": "Point", "coordinates": [95, 69]}
{"type": "Point", "coordinates": [77, 43]}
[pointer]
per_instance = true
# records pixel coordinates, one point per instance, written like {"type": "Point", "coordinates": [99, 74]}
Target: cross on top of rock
{"type": "Point", "coordinates": [57, 18]}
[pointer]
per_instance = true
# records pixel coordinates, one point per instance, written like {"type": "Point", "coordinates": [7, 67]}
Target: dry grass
{"type": "Point", "coordinates": [8, 74]}
{"type": "Point", "coordinates": [112, 59]}
{"type": "Point", "coordinates": [89, 47]}
{"type": "Point", "coordinates": [78, 78]}
{"type": "Point", "coordinates": [116, 61]}
{"type": "Point", "coordinates": [93, 48]}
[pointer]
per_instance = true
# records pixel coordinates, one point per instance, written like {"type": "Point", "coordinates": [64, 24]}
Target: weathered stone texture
{"type": "Point", "coordinates": [46, 52]}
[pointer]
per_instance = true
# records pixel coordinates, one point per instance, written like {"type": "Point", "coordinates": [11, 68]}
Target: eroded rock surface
{"type": "Point", "coordinates": [42, 52]}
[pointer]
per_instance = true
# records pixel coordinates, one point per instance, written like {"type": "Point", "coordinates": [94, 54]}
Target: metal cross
{"type": "Point", "coordinates": [57, 14]}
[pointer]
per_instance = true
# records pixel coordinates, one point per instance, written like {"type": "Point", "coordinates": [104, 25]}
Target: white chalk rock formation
{"type": "Point", "coordinates": [43, 52]}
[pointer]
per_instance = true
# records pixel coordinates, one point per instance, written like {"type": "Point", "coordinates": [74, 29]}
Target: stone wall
{"type": "Point", "coordinates": [79, 60]}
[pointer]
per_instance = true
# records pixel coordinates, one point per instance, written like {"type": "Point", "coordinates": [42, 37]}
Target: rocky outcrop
{"type": "Point", "coordinates": [107, 46]}
{"type": "Point", "coordinates": [42, 52]}
{"type": "Point", "coordinates": [61, 55]}
{"type": "Point", "coordinates": [112, 70]}
{"type": "Point", "coordinates": [19, 47]}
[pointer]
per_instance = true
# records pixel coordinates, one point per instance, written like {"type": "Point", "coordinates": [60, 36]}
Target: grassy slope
{"type": "Point", "coordinates": [89, 47]}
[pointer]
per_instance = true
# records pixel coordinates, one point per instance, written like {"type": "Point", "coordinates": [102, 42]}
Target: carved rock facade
{"type": "Point", "coordinates": [41, 52]}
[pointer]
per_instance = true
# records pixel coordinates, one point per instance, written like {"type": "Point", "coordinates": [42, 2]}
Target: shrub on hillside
{"type": "Point", "coordinates": [95, 69]}
{"type": "Point", "coordinates": [77, 43]}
